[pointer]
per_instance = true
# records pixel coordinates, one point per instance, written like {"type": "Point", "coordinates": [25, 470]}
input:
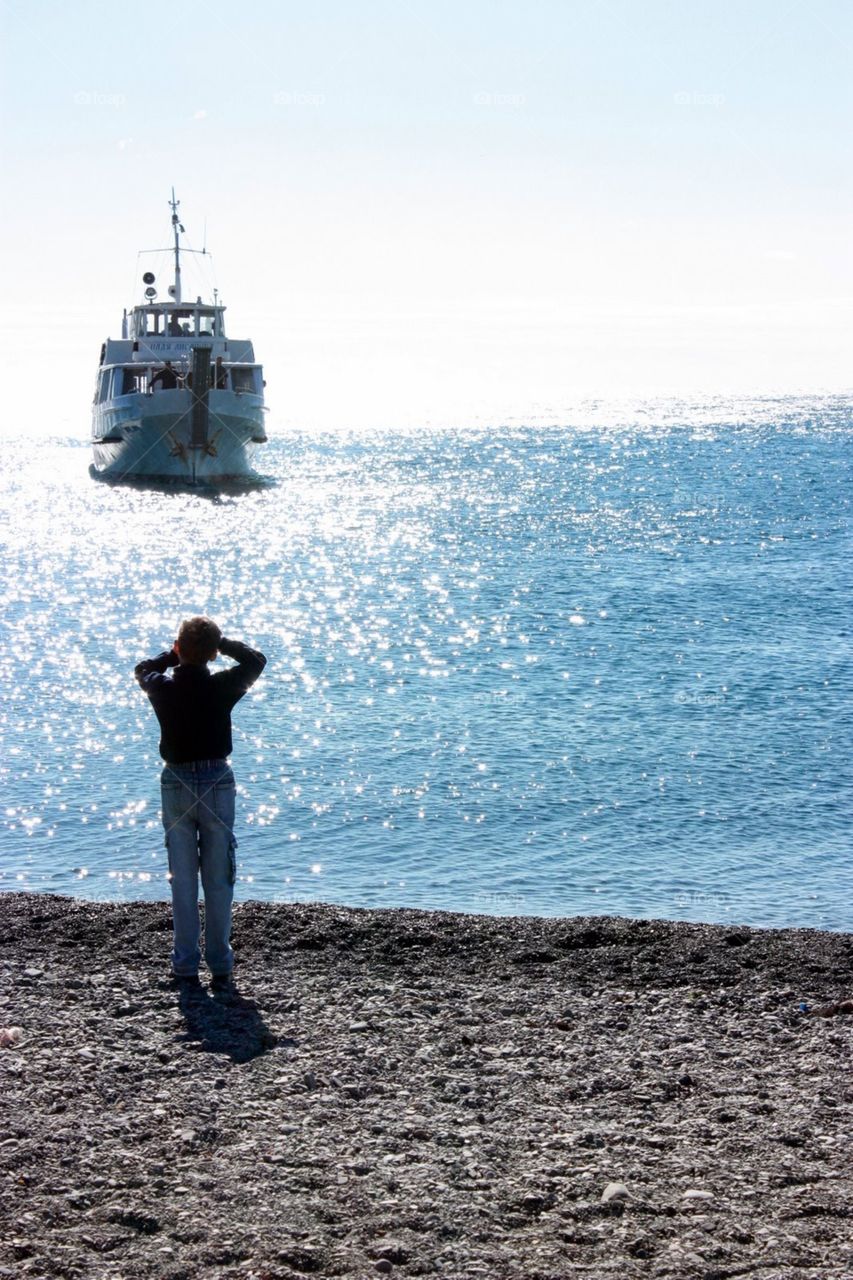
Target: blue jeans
{"type": "Point", "coordinates": [198, 817]}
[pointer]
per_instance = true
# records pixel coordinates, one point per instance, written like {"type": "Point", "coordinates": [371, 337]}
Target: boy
{"type": "Point", "coordinates": [193, 707]}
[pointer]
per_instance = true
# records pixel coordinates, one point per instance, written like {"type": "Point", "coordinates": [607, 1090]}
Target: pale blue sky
{"type": "Point", "coordinates": [435, 209]}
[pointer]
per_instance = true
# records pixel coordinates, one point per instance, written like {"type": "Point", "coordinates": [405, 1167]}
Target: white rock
{"type": "Point", "coordinates": [615, 1191]}
{"type": "Point", "coordinates": [695, 1194]}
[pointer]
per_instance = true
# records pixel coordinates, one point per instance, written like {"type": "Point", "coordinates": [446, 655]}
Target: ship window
{"type": "Point", "coordinates": [243, 379]}
{"type": "Point", "coordinates": [205, 324]}
{"type": "Point", "coordinates": [131, 382]}
{"type": "Point", "coordinates": [180, 324]}
{"type": "Point", "coordinates": [152, 323]}
{"type": "Point", "coordinates": [111, 384]}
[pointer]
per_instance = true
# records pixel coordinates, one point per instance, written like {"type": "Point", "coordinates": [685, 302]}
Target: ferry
{"type": "Point", "coordinates": [176, 399]}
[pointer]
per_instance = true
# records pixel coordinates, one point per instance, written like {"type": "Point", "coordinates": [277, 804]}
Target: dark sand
{"type": "Point", "coordinates": [415, 1094]}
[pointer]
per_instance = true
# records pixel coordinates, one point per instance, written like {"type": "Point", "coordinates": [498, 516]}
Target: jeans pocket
{"type": "Point", "coordinates": [232, 862]}
{"type": "Point", "coordinates": [175, 802]}
{"type": "Point", "coordinates": [224, 802]}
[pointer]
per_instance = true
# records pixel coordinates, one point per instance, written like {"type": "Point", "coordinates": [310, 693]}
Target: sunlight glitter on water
{"type": "Point", "coordinates": [525, 670]}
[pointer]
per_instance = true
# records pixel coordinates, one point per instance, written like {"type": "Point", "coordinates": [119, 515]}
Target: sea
{"type": "Point", "coordinates": [594, 661]}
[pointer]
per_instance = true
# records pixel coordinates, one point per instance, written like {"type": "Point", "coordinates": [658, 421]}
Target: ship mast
{"type": "Point", "coordinates": [176, 227]}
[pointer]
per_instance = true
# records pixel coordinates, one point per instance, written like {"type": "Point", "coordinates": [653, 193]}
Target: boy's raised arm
{"type": "Point", "coordinates": [155, 666]}
{"type": "Point", "coordinates": [250, 662]}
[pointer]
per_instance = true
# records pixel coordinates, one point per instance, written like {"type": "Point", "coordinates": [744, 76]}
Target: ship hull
{"type": "Point", "coordinates": [149, 437]}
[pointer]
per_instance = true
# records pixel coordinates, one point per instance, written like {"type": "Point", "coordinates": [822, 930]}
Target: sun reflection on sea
{"type": "Point", "coordinates": [504, 667]}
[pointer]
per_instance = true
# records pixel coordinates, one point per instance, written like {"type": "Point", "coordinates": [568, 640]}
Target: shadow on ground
{"type": "Point", "coordinates": [225, 1023]}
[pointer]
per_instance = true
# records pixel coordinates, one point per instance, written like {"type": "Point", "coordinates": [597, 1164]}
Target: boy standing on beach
{"type": "Point", "coordinates": [193, 707]}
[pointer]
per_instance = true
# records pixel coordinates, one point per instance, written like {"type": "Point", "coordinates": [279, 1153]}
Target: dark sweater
{"type": "Point", "coordinates": [194, 705]}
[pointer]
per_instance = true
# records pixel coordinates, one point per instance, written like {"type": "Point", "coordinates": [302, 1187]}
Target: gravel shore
{"type": "Point", "coordinates": [415, 1093]}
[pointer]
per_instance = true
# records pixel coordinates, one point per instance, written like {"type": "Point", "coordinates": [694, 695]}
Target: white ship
{"type": "Point", "coordinates": [175, 398]}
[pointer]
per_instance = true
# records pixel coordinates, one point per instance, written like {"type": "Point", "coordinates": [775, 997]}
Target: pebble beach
{"type": "Point", "coordinates": [412, 1093]}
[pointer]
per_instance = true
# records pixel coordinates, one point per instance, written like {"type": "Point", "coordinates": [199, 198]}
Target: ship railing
{"type": "Point", "coordinates": [123, 380]}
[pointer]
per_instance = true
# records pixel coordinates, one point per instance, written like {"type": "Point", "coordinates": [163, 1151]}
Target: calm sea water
{"type": "Point", "coordinates": [595, 664]}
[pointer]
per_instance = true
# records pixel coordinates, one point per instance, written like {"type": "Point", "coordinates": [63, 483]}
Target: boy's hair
{"type": "Point", "coordinates": [198, 640]}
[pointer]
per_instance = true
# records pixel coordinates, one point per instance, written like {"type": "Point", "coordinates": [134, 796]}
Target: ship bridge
{"type": "Point", "coordinates": [173, 320]}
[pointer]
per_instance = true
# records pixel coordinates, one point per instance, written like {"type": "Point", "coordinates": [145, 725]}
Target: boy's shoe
{"type": "Point", "coordinates": [222, 982]}
{"type": "Point", "coordinates": [184, 979]}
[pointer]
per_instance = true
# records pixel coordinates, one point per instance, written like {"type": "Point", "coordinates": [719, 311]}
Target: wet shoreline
{"type": "Point", "coordinates": [408, 1093]}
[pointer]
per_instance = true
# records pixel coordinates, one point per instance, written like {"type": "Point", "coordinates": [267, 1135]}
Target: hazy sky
{"type": "Point", "coordinates": [435, 209]}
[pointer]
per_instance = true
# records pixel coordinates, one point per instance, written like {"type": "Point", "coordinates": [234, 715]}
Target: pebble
{"type": "Point", "coordinates": [615, 1191]}
{"type": "Point", "coordinates": [560, 1107]}
{"type": "Point", "coordinates": [391, 1250]}
{"type": "Point", "coordinates": [832, 1010]}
